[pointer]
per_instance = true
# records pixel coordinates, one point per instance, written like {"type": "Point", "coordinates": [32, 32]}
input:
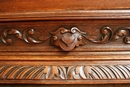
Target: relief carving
{"type": "Point", "coordinates": [123, 32]}
{"type": "Point", "coordinates": [25, 36]}
{"type": "Point", "coordinates": [65, 72]}
{"type": "Point", "coordinates": [67, 39]}
{"type": "Point", "coordinates": [106, 36]}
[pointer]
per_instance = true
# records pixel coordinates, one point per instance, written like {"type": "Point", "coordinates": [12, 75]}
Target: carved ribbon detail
{"type": "Point", "coordinates": [66, 72]}
{"type": "Point", "coordinates": [67, 39]}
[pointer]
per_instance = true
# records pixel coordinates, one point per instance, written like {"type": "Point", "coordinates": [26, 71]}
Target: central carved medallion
{"type": "Point", "coordinates": [68, 39]}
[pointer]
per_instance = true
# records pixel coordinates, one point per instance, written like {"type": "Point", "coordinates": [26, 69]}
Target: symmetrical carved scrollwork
{"type": "Point", "coordinates": [66, 72]}
{"type": "Point", "coordinates": [67, 39]}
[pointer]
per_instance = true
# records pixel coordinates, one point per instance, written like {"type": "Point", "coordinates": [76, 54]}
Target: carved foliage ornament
{"type": "Point", "coordinates": [65, 72]}
{"type": "Point", "coordinates": [66, 39]}
{"type": "Point", "coordinates": [123, 32]}
{"type": "Point", "coordinates": [26, 36]}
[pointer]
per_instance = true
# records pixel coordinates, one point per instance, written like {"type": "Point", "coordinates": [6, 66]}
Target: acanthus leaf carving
{"type": "Point", "coordinates": [65, 72]}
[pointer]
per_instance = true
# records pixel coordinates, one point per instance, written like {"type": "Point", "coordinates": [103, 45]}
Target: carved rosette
{"type": "Point", "coordinates": [68, 39]}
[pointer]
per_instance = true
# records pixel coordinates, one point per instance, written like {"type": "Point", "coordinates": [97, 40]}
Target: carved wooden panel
{"type": "Point", "coordinates": [64, 42]}
{"type": "Point", "coordinates": [75, 46]}
{"type": "Point", "coordinates": [66, 72]}
{"type": "Point", "coordinates": [87, 36]}
{"type": "Point", "coordinates": [69, 73]}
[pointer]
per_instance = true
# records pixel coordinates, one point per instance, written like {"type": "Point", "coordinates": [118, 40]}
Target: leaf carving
{"type": "Point", "coordinates": [69, 72]}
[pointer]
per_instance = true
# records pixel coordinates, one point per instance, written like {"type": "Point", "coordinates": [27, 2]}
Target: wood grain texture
{"type": "Point", "coordinates": [66, 15]}
{"type": "Point", "coordinates": [16, 6]}
{"type": "Point", "coordinates": [65, 42]}
{"type": "Point", "coordinates": [16, 10]}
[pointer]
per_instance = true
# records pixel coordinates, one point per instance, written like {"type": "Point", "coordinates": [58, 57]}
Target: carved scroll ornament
{"type": "Point", "coordinates": [67, 39]}
{"type": "Point", "coordinates": [26, 36]}
{"type": "Point", "coordinates": [123, 32]}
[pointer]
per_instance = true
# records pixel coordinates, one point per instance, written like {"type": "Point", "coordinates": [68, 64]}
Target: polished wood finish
{"type": "Point", "coordinates": [108, 85]}
{"type": "Point", "coordinates": [70, 72]}
{"type": "Point", "coordinates": [15, 10]}
{"type": "Point", "coordinates": [65, 42]}
{"type": "Point", "coordinates": [40, 5]}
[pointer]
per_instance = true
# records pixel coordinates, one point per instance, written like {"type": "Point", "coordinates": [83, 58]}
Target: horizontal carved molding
{"type": "Point", "coordinates": [67, 14]}
{"type": "Point", "coordinates": [67, 39]}
{"type": "Point", "coordinates": [65, 72]}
